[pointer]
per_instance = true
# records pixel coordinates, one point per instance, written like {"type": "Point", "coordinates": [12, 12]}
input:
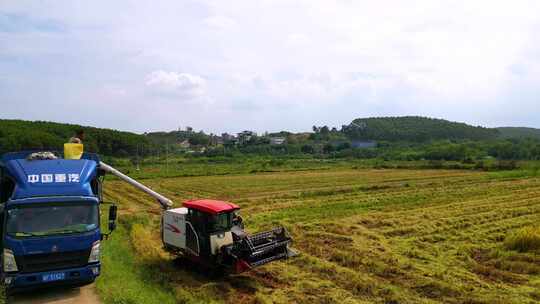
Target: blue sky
{"type": "Point", "coordinates": [269, 64]}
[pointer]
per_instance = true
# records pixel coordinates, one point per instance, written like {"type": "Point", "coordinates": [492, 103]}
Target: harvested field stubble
{"type": "Point", "coordinates": [524, 240]}
{"type": "Point", "coordinates": [365, 236]}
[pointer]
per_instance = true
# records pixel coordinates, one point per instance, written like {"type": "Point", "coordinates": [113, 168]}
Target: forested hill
{"type": "Point", "coordinates": [17, 135]}
{"type": "Point", "coordinates": [415, 129]}
{"type": "Point", "coordinates": [164, 138]}
{"type": "Point", "coordinates": [516, 132]}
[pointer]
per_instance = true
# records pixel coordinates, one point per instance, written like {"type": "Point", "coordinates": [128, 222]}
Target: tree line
{"type": "Point", "coordinates": [445, 150]}
{"type": "Point", "coordinates": [404, 138]}
{"type": "Point", "coordinates": [19, 135]}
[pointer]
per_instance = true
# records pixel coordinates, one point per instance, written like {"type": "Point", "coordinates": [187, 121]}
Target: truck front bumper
{"type": "Point", "coordinates": [71, 276]}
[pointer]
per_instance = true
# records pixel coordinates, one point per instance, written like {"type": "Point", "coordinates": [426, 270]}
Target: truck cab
{"type": "Point", "coordinates": [50, 220]}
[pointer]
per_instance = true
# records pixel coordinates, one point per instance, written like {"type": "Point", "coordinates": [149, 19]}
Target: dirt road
{"type": "Point", "coordinates": [82, 295]}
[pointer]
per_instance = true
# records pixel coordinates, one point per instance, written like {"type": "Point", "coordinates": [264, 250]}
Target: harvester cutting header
{"type": "Point", "coordinates": [50, 232]}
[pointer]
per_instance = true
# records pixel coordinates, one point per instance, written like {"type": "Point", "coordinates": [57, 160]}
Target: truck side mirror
{"type": "Point", "coordinates": [112, 217]}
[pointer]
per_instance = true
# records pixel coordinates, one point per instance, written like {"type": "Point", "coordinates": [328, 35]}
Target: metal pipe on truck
{"type": "Point", "coordinates": [165, 202]}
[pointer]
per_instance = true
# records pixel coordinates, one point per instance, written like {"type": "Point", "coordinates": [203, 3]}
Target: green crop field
{"type": "Point", "coordinates": [364, 236]}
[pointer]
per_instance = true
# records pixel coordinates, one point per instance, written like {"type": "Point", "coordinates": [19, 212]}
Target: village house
{"type": "Point", "coordinates": [245, 136]}
{"type": "Point", "coordinates": [277, 140]}
{"type": "Point", "coordinates": [184, 144]}
{"type": "Point", "coordinates": [363, 144]}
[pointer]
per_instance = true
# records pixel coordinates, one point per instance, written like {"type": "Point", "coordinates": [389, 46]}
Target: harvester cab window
{"type": "Point", "coordinates": [210, 222]}
{"type": "Point", "coordinates": [197, 219]}
{"type": "Point", "coordinates": [219, 222]}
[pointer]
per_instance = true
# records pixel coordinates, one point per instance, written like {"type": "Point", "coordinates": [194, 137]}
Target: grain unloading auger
{"type": "Point", "coordinates": [211, 232]}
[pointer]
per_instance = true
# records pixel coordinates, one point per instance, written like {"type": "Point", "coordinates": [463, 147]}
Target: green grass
{"type": "Point", "coordinates": [365, 235]}
{"type": "Point", "coordinates": [124, 280]}
{"type": "Point", "coordinates": [203, 166]}
{"type": "Point", "coordinates": [136, 271]}
{"type": "Point", "coordinates": [178, 166]}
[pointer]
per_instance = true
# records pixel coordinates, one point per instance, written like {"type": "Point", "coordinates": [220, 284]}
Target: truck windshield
{"type": "Point", "coordinates": [51, 220]}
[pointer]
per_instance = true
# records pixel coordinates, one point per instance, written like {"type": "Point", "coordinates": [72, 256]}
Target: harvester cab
{"type": "Point", "coordinates": [211, 232]}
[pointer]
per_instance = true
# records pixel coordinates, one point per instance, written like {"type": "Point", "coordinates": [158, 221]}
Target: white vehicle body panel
{"type": "Point", "coordinates": [220, 239]}
{"type": "Point", "coordinates": [174, 227]}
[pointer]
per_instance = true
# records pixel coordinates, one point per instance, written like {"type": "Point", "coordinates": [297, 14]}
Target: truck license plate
{"type": "Point", "coordinates": [50, 277]}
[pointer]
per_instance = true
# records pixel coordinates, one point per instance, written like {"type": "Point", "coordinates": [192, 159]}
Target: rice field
{"type": "Point", "coordinates": [364, 236]}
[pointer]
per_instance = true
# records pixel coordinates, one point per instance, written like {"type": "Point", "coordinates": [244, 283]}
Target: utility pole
{"type": "Point", "coordinates": [166, 157]}
{"type": "Point", "coordinates": [138, 159]}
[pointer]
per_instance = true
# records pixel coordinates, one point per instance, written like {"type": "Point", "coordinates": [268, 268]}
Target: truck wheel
{"type": "Point", "coordinates": [216, 272]}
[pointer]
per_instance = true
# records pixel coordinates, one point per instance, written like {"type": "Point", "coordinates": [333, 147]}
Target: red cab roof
{"type": "Point", "coordinates": [210, 206]}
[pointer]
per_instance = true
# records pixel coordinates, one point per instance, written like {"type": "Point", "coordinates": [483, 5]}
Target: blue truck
{"type": "Point", "coordinates": [50, 220]}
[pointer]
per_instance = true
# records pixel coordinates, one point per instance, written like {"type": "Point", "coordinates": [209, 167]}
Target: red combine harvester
{"type": "Point", "coordinates": [211, 233]}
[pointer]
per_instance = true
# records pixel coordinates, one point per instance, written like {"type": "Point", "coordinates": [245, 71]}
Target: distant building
{"type": "Point", "coordinates": [361, 144]}
{"type": "Point", "coordinates": [277, 140]}
{"type": "Point", "coordinates": [216, 140]}
{"type": "Point", "coordinates": [227, 137]}
{"type": "Point", "coordinates": [245, 136]}
{"type": "Point", "coordinates": [184, 144]}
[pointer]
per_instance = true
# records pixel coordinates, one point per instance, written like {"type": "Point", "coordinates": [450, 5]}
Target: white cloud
{"type": "Point", "coordinates": [298, 39]}
{"type": "Point", "coordinates": [181, 84]}
{"type": "Point", "coordinates": [219, 22]}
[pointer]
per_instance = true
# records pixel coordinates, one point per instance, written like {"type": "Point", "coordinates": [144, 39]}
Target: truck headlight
{"type": "Point", "coordinates": [10, 264]}
{"type": "Point", "coordinates": [94, 254]}
{"type": "Point", "coordinates": [8, 281]}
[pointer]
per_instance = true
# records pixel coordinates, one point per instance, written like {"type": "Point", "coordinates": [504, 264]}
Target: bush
{"type": "Point", "coordinates": [276, 162]}
{"type": "Point", "coordinates": [308, 149]}
{"type": "Point", "coordinates": [435, 164]}
{"type": "Point", "coordinates": [524, 240]}
{"type": "Point", "coordinates": [328, 148]}
{"type": "Point", "coordinates": [343, 146]}
{"type": "Point", "coordinates": [507, 165]}
{"type": "Point", "coordinates": [480, 165]}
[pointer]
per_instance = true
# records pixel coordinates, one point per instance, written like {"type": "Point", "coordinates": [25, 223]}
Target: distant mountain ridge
{"type": "Point", "coordinates": [519, 132]}
{"type": "Point", "coordinates": [416, 129]}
